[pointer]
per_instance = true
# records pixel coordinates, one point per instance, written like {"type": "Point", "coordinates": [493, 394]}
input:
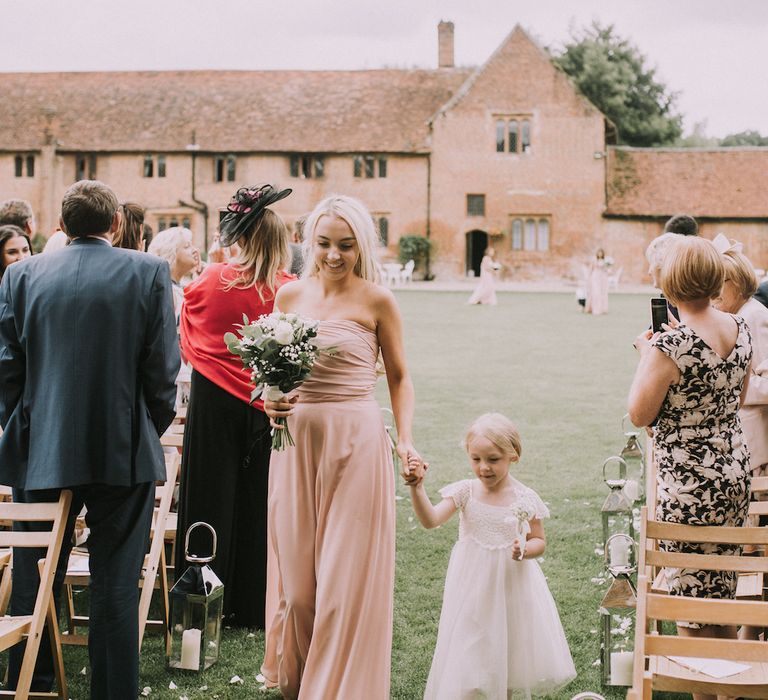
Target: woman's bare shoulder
{"type": "Point", "coordinates": [289, 293]}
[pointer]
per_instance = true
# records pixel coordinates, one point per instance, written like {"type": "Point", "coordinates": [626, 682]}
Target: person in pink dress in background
{"type": "Point", "coordinates": [485, 292]}
{"type": "Point", "coordinates": [332, 496]}
{"type": "Point", "coordinates": [597, 285]}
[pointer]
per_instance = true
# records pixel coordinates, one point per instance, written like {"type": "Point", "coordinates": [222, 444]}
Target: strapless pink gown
{"type": "Point", "coordinates": [332, 530]}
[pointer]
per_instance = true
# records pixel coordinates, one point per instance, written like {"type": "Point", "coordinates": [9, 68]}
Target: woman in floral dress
{"type": "Point", "coordinates": [690, 381]}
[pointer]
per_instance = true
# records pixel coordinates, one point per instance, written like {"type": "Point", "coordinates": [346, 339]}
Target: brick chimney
{"type": "Point", "coordinates": [445, 44]}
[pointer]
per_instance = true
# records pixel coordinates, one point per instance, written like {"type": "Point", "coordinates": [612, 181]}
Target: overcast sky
{"type": "Point", "coordinates": [714, 53]}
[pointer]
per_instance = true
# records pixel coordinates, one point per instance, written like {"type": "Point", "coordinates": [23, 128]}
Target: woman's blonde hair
{"type": "Point", "coordinates": [497, 428]}
{"type": "Point", "coordinates": [263, 253]}
{"type": "Point", "coordinates": [166, 243]}
{"type": "Point", "coordinates": [355, 214]}
{"type": "Point", "coordinates": [657, 249]}
{"type": "Point", "coordinates": [739, 270]}
{"type": "Point", "coordinates": [693, 270]}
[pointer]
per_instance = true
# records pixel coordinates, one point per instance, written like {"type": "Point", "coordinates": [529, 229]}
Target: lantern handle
{"type": "Point", "coordinates": [622, 471]}
{"type": "Point", "coordinates": [193, 558]}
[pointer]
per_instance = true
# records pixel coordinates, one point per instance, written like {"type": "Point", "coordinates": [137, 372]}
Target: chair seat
{"type": "Point", "coordinates": [13, 629]}
{"type": "Point", "coordinates": [672, 676]}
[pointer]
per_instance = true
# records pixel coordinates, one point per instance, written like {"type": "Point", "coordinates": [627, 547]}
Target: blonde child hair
{"type": "Point", "coordinates": [497, 428]}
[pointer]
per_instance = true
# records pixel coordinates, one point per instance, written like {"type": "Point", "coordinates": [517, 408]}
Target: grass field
{"type": "Point", "coordinates": [563, 377]}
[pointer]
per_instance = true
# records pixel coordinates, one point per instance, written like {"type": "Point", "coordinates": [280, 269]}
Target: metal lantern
{"type": "Point", "coordinates": [197, 599]}
{"type": "Point", "coordinates": [616, 511]}
{"type": "Point", "coordinates": [617, 613]}
{"type": "Point", "coordinates": [633, 456]}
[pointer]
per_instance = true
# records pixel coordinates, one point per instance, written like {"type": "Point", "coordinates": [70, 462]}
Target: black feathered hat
{"type": "Point", "coordinates": [244, 208]}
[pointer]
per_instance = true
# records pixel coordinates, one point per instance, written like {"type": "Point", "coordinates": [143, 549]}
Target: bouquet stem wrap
{"type": "Point", "coordinates": [281, 437]}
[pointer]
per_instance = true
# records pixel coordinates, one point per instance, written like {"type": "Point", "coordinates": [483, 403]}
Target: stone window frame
{"type": "Point", "coordinates": [530, 233]}
{"type": "Point", "coordinates": [21, 160]}
{"type": "Point", "coordinates": [509, 128]}
{"type": "Point", "coordinates": [148, 168]}
{"type": "Point", "coordinates": [85, 166]}
{"type": "Point", "coordinates": [475, 205]}
{"type": "Point", "coordinates": [225, 167]}
{"type": "Point", "coordinates": [369, 165]}
{"type": "Point", "coordinates": [306, 165]}
{"type": "Point", "coordinates": [382, 227]}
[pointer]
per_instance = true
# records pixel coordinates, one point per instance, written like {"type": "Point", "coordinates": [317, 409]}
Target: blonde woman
{"type": "Point", "coordinates": [736, 298]}
{"type": "Point", "coordinates": [331, 497]}
{"type": "Point", "coordinates": [225, 461]}
{"type": "Point", "coordinates": [691, 380]}
{"type": "Point", "coordinates": [175, 245]}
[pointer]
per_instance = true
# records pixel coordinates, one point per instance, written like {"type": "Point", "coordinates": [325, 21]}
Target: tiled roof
{"type": "Point", "coordinates": [719, 183]}
{"type": "Point", "coordinates": [301, 111]}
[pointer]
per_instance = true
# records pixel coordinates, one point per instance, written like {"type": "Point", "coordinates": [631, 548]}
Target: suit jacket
{"type": "Point", "coordinates": [754, 412]}
{"type": "Point", "coordinates": [88, 359]}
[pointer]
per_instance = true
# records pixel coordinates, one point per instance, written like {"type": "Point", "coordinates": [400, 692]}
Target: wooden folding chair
{"type": "Point", "coordinates": [153, 573]}
{"type": "Point", "coordinates": [654, 669]}
{"type": "Point", "coordinates": [14, 629]}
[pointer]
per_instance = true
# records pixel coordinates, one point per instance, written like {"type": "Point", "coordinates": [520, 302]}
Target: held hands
{"type": "Point", "coordinates": [280, 409]}
{"type": "Point", "coordinates": [412, 467]}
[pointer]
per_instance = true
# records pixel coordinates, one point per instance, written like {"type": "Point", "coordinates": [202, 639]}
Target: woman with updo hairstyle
{"type": "Point", "coordinates": [175, 245]}
{"type": "Point", "coordinates": [691, 380]}
{"type": "Point", "coordinates": [14, 246]}
{"type": "Point", "coordinates": [130, 232]}
{"type": "Point", "coordinates": [227, 441]}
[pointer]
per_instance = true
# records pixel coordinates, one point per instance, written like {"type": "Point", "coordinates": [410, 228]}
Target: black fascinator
{"type": "Point", "coordinates": [244, 208]}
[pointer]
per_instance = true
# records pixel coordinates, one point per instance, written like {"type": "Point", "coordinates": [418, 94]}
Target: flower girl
{"type": "Point", "coordinates": [500, 635]}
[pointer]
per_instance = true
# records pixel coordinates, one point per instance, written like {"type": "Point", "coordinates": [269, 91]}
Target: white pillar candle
{"type": "Point", "coordinates": [190, 649]}
{"type": "Point", "coordinates": [619, 552]}
{"type": "Point", "coordinates": [621, 667]}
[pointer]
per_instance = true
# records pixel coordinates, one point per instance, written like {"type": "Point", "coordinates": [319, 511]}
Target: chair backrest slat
{"type": "Point", "coordinates": [758, 507]}
{"type": "Point", "coordinates": [25, 539]}
{"type": "Point", "coordinates": [759, 483]}
{"type": "Point", "coordinates": [707, 610]}
{"type": "Point", "coordinates": [707, 648]}
{"type": "Point", "coordinates": [29, 512]}
{"type": "Point", "coordinates": [706, 562]}
{"type": "Point", "coordinates": [715, 534]}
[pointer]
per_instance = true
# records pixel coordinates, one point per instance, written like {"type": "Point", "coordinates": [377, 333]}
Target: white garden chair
{"type": "Point", "coordinates": [406, 274]}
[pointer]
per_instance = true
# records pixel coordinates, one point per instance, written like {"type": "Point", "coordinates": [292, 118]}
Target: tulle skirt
{"type": "Point", "coordinates": [500, 635]}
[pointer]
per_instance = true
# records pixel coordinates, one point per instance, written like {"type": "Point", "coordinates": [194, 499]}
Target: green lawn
{"type": "Point", "coordinates": [563, 377]}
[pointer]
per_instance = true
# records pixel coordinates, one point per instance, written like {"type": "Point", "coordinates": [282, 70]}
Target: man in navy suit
{"type": "Point", "coordinates": [88, 360]}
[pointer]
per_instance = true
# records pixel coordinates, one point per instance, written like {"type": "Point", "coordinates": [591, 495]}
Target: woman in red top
{"type": "Point", "coordinates": [225, 460]}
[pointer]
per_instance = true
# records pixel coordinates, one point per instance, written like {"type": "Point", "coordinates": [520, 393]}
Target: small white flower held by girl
{"type": "Point", "coordinates": [500, 634]}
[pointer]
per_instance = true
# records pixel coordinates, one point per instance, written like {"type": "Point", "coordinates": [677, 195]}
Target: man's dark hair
{"type": "Point", "coordinates": [88, 209]}
{"type": "Point", "coordinates": [683, 224]}
{"type": "Point", "coordinates": [16, 212]}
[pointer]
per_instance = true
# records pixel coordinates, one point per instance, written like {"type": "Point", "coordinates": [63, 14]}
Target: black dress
{"type": "Point", "coordinates": [226, 459]}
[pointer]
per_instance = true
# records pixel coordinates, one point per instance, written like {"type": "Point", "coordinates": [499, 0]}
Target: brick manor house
{"type": "Point", "coordinates": [508, 153]}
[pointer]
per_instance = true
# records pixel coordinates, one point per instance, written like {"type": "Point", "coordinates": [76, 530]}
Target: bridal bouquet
{"type": "Point", "coordinates": [279, 351]}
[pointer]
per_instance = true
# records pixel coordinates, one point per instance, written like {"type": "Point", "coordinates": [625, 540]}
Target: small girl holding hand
{"type": "Point", "coordinates": [500, 635]}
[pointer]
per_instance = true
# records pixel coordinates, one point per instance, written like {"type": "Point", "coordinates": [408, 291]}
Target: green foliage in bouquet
{"type": "Point", "coordinates": [278, 351]}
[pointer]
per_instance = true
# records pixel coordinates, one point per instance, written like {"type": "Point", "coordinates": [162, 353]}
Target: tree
{"type": "Point", "coordinates": [611, 73]}
{"type": "Point", "coordinates": [698, 138]}
{"type": "Point", "coordinates": [745, 138]}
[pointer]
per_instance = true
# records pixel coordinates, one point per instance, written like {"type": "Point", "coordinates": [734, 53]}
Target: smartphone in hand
{"type": "Point", "coordinates": [659, 314]}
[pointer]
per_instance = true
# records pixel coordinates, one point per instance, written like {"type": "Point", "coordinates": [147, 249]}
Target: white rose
{"type": "Point", "coordinates": [284, 333]}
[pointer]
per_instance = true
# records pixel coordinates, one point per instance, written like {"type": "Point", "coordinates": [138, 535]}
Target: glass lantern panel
{"type": "Point", "coordinates": [213, 628]}
{"type": "Point", "coordinates": [617, 631]}
{"type": "Point", "coordinates": [188, 623]}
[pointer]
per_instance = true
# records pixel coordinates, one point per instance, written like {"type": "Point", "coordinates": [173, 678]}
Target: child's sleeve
{"type": "Point", "coordinates": [458, 491]}
{"type": "Point", "coordinates": [539, 507]}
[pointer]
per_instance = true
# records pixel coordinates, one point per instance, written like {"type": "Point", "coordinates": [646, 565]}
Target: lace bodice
{"type": "Point", "coordinates": [490, 526]}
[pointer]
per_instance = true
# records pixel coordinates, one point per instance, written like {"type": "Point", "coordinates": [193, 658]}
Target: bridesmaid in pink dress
{"type": "Point", "coordinates": [331, 497]}
{"type": "Point", "coordinates": [485, 292]}
{"type": "Point", "coordinates": [597, 288]}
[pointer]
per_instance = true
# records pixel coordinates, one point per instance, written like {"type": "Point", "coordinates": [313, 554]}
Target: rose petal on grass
{"type": "Point", "coordinates": [172, 686]}
{"type": "Point", "coordinates": [83, 671]}
{"type": "Point", "coordinates": [260, 678]}
{"type": "Point", "coordinates": [235, 679]}
{"type": "Point", "coordinates": [146, 690]}
{"type": "Point", "coordinates": [250, 635]}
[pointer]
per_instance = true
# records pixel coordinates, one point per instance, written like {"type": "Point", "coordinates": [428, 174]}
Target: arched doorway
{"type": "Point", "coordinates": [477, 242]}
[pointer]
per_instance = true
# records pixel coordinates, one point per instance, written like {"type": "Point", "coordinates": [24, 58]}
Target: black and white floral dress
{"type": "Point", "coordinates": [703, 462]}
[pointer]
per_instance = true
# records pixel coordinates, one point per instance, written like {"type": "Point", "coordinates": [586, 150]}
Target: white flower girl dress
{"type": "Point", "coordinates": [500, 635]}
